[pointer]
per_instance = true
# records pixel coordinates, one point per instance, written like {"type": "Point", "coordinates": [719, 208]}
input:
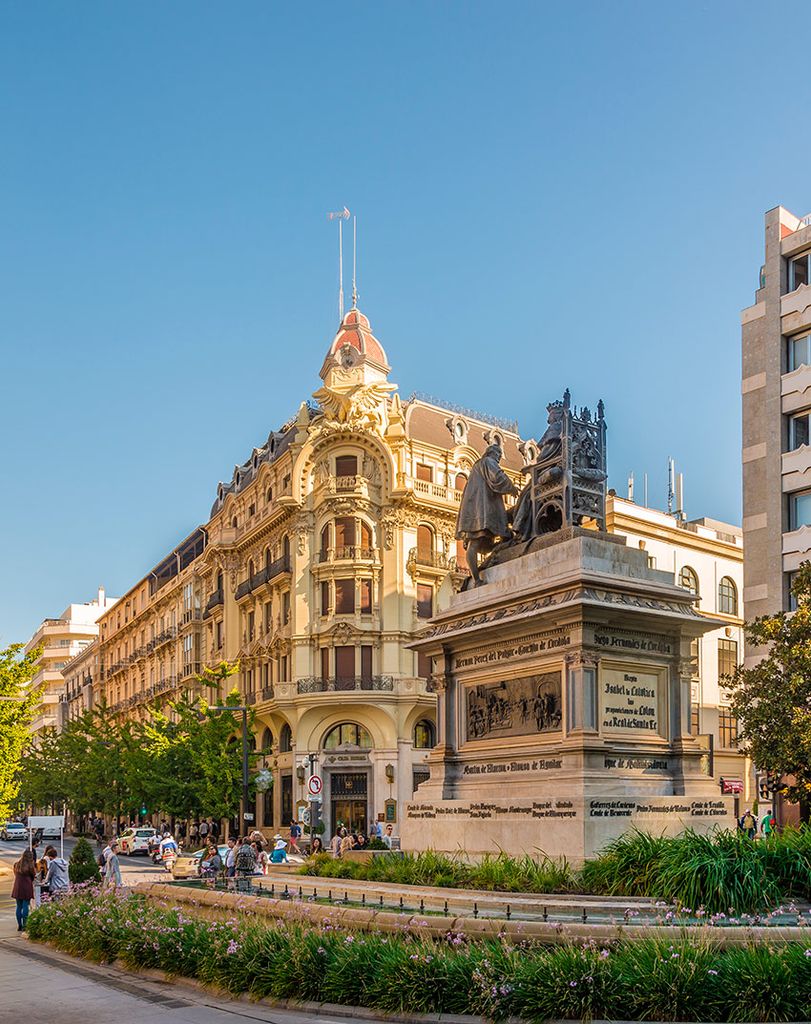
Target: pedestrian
{"type": "Point", "coordinates": [245, 860]}
{"type": "Point", "coordinates": [360, 841]}
{"type": "Point", "coordinates": [181, 831]}
{"type": "Point", "coordinates": [767, 824]}
{"type": "Point", "coordinates": [203, 831]}
{"type": "Point", "coordinates": [261, 859]}
{"type": "Point", "coordinates": [279, 855]}
{"type": "Point", "coordinates": [98, 828]}
{"type": "Point", "coordinates": [56, 878]}
{"type": "Point", "coordinates": [388, 836]}
{"type": "Point", "coordinates": [212, 863]}
{"type": "Point", "coordinates": [213, 829]}
{"type": "Point", "coordinates": [377, 829]}
{"type": "Point", "coordinates": [335, 843]}
{"type": "Point", "coordinates": [193, 834]}
{"type": "Point", "coordinates": [347, 843]}
{"type": "Point", "coordinates": [112, 868]}
{"type": "Point", "coordinates": [25, 871]}
{"type": "Point", "coordinates": [749, 823]}
{"type": "Point", "coordinates": [295, 832]}
{"type": "Point", "coordinates": [316, 847]}
{"type": "Point", "coordinates": [230, 858]}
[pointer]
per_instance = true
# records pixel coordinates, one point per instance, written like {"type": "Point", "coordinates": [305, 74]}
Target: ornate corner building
{"type": "Point", "coordinates": [319, 563]}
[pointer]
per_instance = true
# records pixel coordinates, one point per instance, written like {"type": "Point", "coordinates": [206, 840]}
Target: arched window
{"type": "Point", "coordinates": [424, 735]}
{"type": "Point", "coordinates": [267, 741]}
{"type": "Point", "coordinates": [344, 536]}
{"type": "Point", "coordinates": [460, 483]}
{"type": "Point", "coordinates": [425, 544]}
{"type": "Point", "coordinates": [286, 548]}
{"type": "Point", "coordinates": [268, 558]}
{"type": "Point", "coordinates": [251, 568]}
{"type": "Point", "coordinates": [219, 580]}
{"type": "Point", "coordinates": [325, 543]}
{"type": "Point", "coordinates": [727, 597]}
{"type": "Point", "coordinates": [365, 536]}
{"type": "Point", "coordinates": [347, 734]}
{"type": "Point", "coordinates": [285, 739]}
{"type": "Point", "coordinates": [688, 580]}
{"type": "Point", "coordinates": [234, 522]}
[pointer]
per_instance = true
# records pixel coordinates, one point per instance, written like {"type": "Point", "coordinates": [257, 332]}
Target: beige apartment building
{"type": "Point", "coordinates": [322, 557]}
{"type": "Point", "coordinates": [776, 389]}
{"type": "Point", "coordinates": [706, 557]}
{"type": "Point", "coordinates": [61, 640]}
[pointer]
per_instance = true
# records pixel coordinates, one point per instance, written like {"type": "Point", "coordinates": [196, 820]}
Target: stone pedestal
{"type": "Point", "coordinates": [564, 706]}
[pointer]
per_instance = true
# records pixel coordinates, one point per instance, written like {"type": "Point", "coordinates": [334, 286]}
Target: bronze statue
{"type": "Point", "coordinates": [482, 515]}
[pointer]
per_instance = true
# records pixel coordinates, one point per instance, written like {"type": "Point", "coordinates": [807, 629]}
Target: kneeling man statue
{"type": "Point", "coordinates": [482, 516]}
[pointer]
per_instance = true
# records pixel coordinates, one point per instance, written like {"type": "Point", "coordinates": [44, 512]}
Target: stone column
{"type": "Point", "coordinates": [581, 704]}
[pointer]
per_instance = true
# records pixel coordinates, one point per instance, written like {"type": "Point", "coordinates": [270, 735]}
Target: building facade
{"type": "Point", "coordinates": [706, 557]}
{"type": "Point", "coordinates": [776, 406]}
{"type": "Point", "coordinates": [61, 640]}
{"type": "Point", "coordinates": [321, 559]}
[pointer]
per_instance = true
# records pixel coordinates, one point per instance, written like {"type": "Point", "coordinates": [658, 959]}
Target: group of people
{"type": "Point", "coordinates": [245, 857]}
{"type": "Point", "coordinates": [50, 875]}
{"type": "Point", "coordinates": [345, 839]}
{"type": "Point", "coordinates": [748, 823]}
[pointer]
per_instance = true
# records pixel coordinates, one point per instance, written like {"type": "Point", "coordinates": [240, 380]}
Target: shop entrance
{"type": "Point", "coordinates": [349, 808]}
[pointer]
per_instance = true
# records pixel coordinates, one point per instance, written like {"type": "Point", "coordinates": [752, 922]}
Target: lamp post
{"type": "Point", "coordinates": [244, 710]}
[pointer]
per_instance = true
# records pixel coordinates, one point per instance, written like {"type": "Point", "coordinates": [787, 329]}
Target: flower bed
{"type": "Point", "coordinates": [639, 980]}
{"type": "Point", "coordinates": [716, 872]}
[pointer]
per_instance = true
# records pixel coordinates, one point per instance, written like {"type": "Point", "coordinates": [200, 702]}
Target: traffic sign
{"type": "Point", "coordinates": [314, 785]}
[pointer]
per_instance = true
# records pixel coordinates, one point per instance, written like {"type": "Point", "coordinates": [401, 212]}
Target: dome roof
{"type": "Point", "coordinates": [355, 331]}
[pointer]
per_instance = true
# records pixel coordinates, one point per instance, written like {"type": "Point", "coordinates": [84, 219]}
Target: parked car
{"type": "Point", "coordinates": [187, 865]}
{"type": "Point", "coordinates": [13, 830]}
{"type": "Point", "coordinates": [136, 840]}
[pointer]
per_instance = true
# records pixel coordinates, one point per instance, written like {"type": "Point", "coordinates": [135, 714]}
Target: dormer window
{"type": "Point", "coordinates": [798, 271]}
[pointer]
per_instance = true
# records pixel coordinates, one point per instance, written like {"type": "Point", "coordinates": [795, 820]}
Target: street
{"type": "Point", "coordinates": [43, 986]}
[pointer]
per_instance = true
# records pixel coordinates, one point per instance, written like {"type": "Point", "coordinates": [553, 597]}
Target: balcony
{"type": "Point", "coordinates": [163, 638]}
{"type": "Point", "coordinates": [350, 553]}
{"type": "Point", "coordinates": [437, 492]}
{"type": "Point", "coordinates": [267, 693]}
{"type": "Point", "coordinates": [190, 668]}
{"type": "Point", "coordinates": [216, 599]}
{"type": "Point", "coordinates": [191, 615]}
{"type": "Point", "coordinates": [263, 578]}
{"type": "Point", "coordinates": [344, 684]}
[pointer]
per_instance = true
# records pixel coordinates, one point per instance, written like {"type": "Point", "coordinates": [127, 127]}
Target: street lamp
{"type": "Point", "coordinates": [244, 710]}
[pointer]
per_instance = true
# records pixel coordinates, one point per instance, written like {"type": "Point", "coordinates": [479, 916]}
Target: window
{"type": "Point", "coordinates": [285, 607]}
{"type": "Point", "coordinates": [346, 465]}
{"type": "Point", "coordinates": [366, 663]}
{"type": "Point", "coordinates": [286, 549]}
{"type": "Point", "coordinates": [325, 543]}
{"type": "Point", "coordinates": [344, 666]}
{"type": "Point", "coordinates": [251, 624]}
{"type": "Point", "coordinates": [799, 351]}
{"type": "Point", "coordinates": [251, 510]}
{"type": "Point", "coordinates": [798, 432]}
{"type": "Point", "coordinates": [460, 483]}
{"type": "Point", "coordinates": [283, 666]}
{"type": "Point", "coordinates": [344, 536]}
{"type": "Point", "coordinates": [344, 597]}
{"type": "Point", "coordinates": [366, 597]}
{"type": "Point", "coordinates": [727, 728]}
{"type": "Point", "coordinates": [728, 596]}
{"type": "Point", "coordinates": [325, 662]}
{"type": "Point", "coordinates": [425, 544]}
{"type": "Point", "coordinates": [365, 539]}
{"type": "Point", "coordinates": [325, 597]}
{"type": "Point", "coordinates": [269, 495]}
{"type": "Point", "coordinates": [285, 739]}
{"type": "Point", "coordinates": [798, 271]}
{"type": "Point", "coordinates": [799, 510]}
{"type": "Point", "coordinates": [266, 614]}
{"type": "Point", "coordinates": [425, 601]}
{"type": "Point", "coordinates": [688, 580]}
{"type": "Point", "coordinates": [791, 600]}
{"type": "Point", "coordinates": [424, 735]}
{"type": "Point", "coordinates": [347, 734]}
{"type": "Point", "coordinates": [727, 659]}
{"type": "Point", "coordinates": [425, 473]}
{"type": "Point", "coordinates": [420, 775]}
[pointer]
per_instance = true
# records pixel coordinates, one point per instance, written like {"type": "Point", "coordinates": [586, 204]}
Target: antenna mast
{"type": "Point", "coordinates": [671, 469]}
{"type": "Point", "coordinates": [354, 262]}
{"type": "Point", "coordinates": [340, 216]}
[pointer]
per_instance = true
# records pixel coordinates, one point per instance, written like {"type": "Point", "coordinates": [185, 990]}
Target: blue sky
{"type": "Point", "coordinates": [548, 195]}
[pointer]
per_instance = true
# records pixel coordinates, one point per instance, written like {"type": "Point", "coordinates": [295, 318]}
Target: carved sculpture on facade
{"type": "Point", "coordinates": [357, 405]}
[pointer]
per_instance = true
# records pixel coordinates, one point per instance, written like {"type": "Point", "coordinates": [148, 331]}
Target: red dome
{"type": "Point", "coordinates": [355, 331]}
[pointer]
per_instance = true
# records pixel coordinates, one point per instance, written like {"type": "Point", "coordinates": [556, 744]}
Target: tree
{"type": "Point", "coordinates": [83, 866]}
{"type": "Point", "coordinates": [772, 700]}
{"type": "Point", "coordinates": [17, 706]}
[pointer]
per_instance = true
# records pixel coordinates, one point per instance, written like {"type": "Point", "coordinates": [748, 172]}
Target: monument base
{"type": "Point", "coordinates": [564, 707]}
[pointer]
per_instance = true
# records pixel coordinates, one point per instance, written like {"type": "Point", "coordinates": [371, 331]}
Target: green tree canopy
{"type": "Point", "coordinates": [17, 706]}
{"type": "Point", "coordinates": [772, 700]}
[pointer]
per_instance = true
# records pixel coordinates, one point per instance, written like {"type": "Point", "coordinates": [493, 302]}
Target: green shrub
{"type": "Point", "coordinates": [401, 973]}
{"type": "Point", "coordinates": [83, 866]}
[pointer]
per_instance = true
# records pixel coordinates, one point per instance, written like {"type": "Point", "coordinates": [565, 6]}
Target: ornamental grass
{"type": "Point", "coordinates": [495, 978]}
{"type": "Point", "coordinates": [718, 873]}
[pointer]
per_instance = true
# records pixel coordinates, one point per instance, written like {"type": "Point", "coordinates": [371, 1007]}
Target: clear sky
{"type": "Point", "coordinates": [548, 195]}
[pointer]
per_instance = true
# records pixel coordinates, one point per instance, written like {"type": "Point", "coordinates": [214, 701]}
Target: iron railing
{"type": "Point", "coordinates": [342, 684]}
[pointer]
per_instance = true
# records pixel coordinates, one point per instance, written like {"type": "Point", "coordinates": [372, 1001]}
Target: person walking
{"type": "Point", "coordinates": [767, 824]}
{"type": "Point", "coordinates": [203, 831]}
{"type": "Point", "coordinates": [213, 829]}
{"type": "Point", "coordinates": [335, 843]}
{"type": "Point", "coordinates": [25, 871]}
{"type": "Point", "coordinates": [749, 823]}
{"type": "Point", "coordinates": [193, 834]}
{"type": "Point", "coordinates": [56, 878]}
{"type": "Point", "coordinates": [112, 868]}
{"type": "Point", "coordinates": [245, 860]}
{"type": "Point", "coordinates": [295, 833]}
{"type": "Point", "coordinates": [230, 858]}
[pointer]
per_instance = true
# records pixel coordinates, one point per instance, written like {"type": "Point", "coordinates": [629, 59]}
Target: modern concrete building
{"type": "Point", "coordinates": [776, 389]}
{"type": "Point", "coordinates": [706, 557]}
{"type": "Point", "coordinates": [61, 640]}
